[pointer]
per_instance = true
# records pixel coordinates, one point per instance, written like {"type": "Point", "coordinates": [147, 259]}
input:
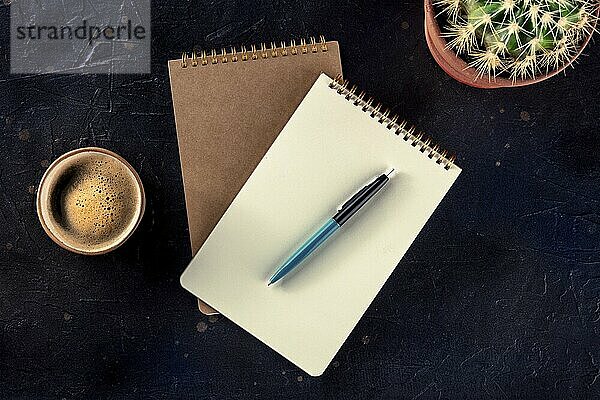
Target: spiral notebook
{"type": "Point", "coordinates": [229, 107]}
{"type": "Point", "coordinates": [335, 142]}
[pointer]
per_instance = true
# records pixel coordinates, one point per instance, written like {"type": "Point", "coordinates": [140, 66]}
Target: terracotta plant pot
{"type": "Point", "coordinates": [457, 68]}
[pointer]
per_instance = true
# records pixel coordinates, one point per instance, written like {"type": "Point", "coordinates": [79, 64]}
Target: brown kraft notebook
{"type": "Point", "coordinates": [229, 108]}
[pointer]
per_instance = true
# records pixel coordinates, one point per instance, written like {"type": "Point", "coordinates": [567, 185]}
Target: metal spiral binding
{"type": "Point", "coordinates": [408, 133]}
{"type": "Point", "coordinates": [204, 58]}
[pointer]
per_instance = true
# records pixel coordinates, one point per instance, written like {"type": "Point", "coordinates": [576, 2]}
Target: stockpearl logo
{"type": "Point", "coordinates": [68, 36]}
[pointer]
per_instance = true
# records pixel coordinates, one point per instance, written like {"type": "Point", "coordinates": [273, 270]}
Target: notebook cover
{"type": "Point", "coordinates": [333, 144]}
{"type": "Point", "coordinates": [227, 114]}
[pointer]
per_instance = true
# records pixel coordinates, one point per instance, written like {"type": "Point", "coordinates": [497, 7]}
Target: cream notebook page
{"type": "Point", "coordinates": [328, 150]}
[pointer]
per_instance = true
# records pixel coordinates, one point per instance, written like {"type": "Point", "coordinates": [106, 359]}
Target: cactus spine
{"type": "Point", "coordinates": [519, 38]}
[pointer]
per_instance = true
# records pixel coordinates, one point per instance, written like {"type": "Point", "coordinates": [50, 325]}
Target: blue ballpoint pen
{"type": "Point", "coordinates": [347, 210]}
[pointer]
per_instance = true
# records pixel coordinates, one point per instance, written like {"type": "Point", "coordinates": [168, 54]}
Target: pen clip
{"type": "Point", "coordinates": [354, 197]}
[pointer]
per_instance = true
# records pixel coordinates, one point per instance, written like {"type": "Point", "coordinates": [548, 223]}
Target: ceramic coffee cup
{"type": "Point", "coordinates": [90, 201]}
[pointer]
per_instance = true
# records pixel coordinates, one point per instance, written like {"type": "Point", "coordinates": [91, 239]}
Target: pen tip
{"type": "Point", "coordinates": [270, 283]}
{"type": "Point", "coordinates": [390, 173]}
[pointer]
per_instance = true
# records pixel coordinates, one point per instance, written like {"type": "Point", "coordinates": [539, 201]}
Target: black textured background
{"type": "Point", "coordinates": [498, 298]}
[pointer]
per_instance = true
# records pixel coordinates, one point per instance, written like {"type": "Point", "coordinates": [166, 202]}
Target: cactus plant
{"type": "Point", "coordinates": [519, 39]}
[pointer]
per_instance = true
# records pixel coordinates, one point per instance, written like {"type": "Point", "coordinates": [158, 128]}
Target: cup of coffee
{"type": "Point", "coordinates": [90, 201]}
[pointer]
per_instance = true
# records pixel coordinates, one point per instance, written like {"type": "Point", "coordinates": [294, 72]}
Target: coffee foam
{"type": "Point", "coordinates": [94, 201]}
